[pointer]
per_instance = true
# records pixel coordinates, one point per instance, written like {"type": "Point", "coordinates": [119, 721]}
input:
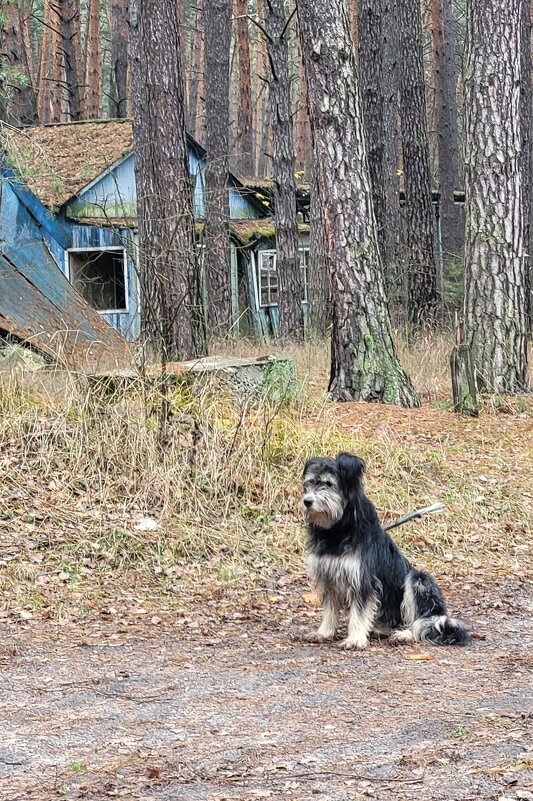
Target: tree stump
{"type": "Point", "coordinates": [463, 377]}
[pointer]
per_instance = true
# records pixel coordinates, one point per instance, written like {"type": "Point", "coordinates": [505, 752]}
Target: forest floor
{"type": "Point", "coordinates": [156, 646]}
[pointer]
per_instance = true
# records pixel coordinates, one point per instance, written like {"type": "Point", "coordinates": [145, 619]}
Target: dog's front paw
{"type": "Point", "coordinates": [400, 637]}
{"type": "Point", "coordinates": [326, 632]}
{"type": "Point", "coordinates": [354, 643]}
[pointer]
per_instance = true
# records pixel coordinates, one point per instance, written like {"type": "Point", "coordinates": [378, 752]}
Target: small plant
{"type": "Point", "coordinates": [77, 767]}
{"type": "Point", "coordinates": [462, 733]}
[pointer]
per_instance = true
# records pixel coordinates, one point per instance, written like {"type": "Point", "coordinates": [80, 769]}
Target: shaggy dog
{"type": "Point", "coordinates": [357, 567]}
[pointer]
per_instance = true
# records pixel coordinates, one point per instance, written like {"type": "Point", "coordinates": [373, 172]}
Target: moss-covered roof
{"type": "Point", "coordinates": [58, 161]}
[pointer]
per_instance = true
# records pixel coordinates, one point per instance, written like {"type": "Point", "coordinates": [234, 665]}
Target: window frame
{"type": "Point", "coordinates": [113, 249]}
{"type": "Point", "coordinates": [304, 268]}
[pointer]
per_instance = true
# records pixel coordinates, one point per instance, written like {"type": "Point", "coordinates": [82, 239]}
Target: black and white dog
{"type": "Point", "coordinates": [357, 567]}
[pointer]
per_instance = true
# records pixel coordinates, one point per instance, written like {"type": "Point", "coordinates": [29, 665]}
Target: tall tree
{"type": "Point", "coordinates": [217, 31]}
{"type": "Point", "coordinates": [244, 124]}
{"type": "Point", "coordinates": [364, 364]}
{"type": "Point", "coordinates": [283, 169]}
{"type": "Point", "coordinates": [119, 66]}
{"type": "Point", "coordinates": [92, 106]}
{"type": "Point", "coordinates": [194, 122]}
{"type": "Point", "coordinates": [526, 116]}
{"type": "Point", "coordinates": [317, 286]}
{"type": "Point", "coordinates": [164, 198]}
{"type": "Point", "coordinates": [378, 70]}
{"type": "Point", "coordinates": [67, 21]}
{"type": "Point", "coordinates": [495, 267]}
{"type": "Point", "coordinates": [16, 85]}
{"type": "Point", "coordinates": [443, 35]}
{"type": "Point", "coordinates": [421, 265]}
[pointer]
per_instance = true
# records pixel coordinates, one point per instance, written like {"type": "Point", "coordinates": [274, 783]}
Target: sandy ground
{"type": "Point", "coordinates": [237, 705]}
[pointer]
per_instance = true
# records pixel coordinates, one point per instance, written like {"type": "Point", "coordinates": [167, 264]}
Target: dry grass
{"type": "Point", "coordinates": [79, 475]}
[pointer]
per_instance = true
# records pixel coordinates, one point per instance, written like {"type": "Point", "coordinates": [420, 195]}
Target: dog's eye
{"type": "Point", "coordinates": [327, 483]}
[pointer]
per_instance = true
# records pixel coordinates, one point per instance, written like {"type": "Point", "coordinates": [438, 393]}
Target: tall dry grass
{"type": "Point", "coordinates": [81, 471]}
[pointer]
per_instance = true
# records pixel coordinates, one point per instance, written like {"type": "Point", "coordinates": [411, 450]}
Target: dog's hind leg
{"type": "Point", "coordinates": [328, 627]}
{"type": "Point", "coordinates": [361, 619]}
{"type": "Point", "coordinates": [425, 616]}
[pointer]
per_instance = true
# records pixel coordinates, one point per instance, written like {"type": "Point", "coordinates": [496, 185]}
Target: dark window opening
{"type": "Point", "coordinates": [100, 278]}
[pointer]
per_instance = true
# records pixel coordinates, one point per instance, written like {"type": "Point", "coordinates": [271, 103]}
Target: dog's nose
{"type": "Point", "coordinates": [308, 502]}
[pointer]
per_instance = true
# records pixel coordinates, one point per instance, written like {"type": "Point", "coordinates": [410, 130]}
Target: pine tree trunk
{"type": "Point", "coordinates": [245, 88]}
{"type": "Point", "coordinates": [20, 108]}
{"type": "Point", "coordinates": [377, 65]}
{"type": "Point", "coordinates": [67, 18]}
{"type": "Point", "coordinates": [166, 226]}
{"type": "Point", "coordinates": [317, 288]}
{"type": "Point", "coordinates": [217, 31]}
{"type": "Point", "coordinates": [446, 119]}
{"type": "Point", "coordinates": [364, 365]}
{"type": "Point", "coordinates": [495, 265]}
{"type": "Point", "coordinates": [43, 72]}
{"type": "Point", "coordinates": [194, 122]}
{"type": "Point", "coordinates": [283, 169]}
{"type": "Point", "coordinates": [303, 145]}
{"type": "Point", "coordinates": [92, 107]}
{"type": "Point", "coordinates": [526, 115]}
{"type": "Point", "coordinates": [421, 265]}
{"type": "Point", "coordinates": [119, 67]}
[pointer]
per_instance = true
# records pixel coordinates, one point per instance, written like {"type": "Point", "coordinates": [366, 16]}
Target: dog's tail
{"type": "Point", "coordinates": [441, 630]}
{"type": "Point", "coordinates": [424, 612]}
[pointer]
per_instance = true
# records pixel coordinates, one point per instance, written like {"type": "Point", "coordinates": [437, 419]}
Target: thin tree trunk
{"type": "Point", "coordinates": [67, 17]}
{"type": "Point", "coordinates": [245, 120]}
{"type": "Point", "coordinates": [45, 59]}
{"type": "Point", "coordinates": [283, 169]}
{"type": "Point", "coordinates": [495, 264]}
{"type": "Point", "coordinates": [421, 265]}
{"type": "Point", "coordinates": [526, 112]}
{"type": "Point", "coordinates": [364, 365]}
{"type": "Point", "coordinates": [303, 145]}
{"type": "Point", "coordinates": [447, 121]}
{"type": "Point", "coordinates": [20, 105]}
{"type": "Point", "coordinates": [377, 65]}
{"type": "Point", "coordinates": [119, 67]}
{"type": "Point", "coordinates": [217, 31]}
{"type": "Point", "coordinates": [166, 227]}
{"type": "Point", "coordinates": [92, 107]}
{"type": "Point", "coordinates": [197, 47]}
{"type": "Point", "coordinates": [317, 286]}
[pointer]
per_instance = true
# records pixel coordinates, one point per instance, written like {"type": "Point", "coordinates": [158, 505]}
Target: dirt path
{"type": "Point", "coordinates": [244, 708]}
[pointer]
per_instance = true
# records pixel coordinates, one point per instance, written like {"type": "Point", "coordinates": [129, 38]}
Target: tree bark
{"type": "Point", "coordinates": [166, 226]}
{"type": "Point", "coordinates": [526, 116]}
{"type": "Point", "coordinates": [283, 169]}
{"type": "Point", "coordinates": [67, 17]}
{"type": "Point", "coordinates": [495, 264]}
{"type": "Point", "coordinates": [364, 365]}
{"type": "Point", "coordinates": [443, 37]}
{"type": "Point", "coordinates": [217, 31]}
{"type": "Point", "coordinates": [421, 265]}
{"type": "Point", "coordinates": [20, 103]}
{"type": "Point", "coordinates": [194, 117]}
{"type": "Point", "coordinates": [92, 107]}
{"type": "Point", "coordinates": [378, 68]}
{"type": "Point", "coordinates": [245, 121]}
{"type": "Point", "coordinates": [317, 287]}
{"type": "Point", "coordinates": [119, 67]}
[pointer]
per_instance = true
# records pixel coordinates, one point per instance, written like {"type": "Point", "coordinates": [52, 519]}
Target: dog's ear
{"type": "Point", "coordinates": [351, 469]}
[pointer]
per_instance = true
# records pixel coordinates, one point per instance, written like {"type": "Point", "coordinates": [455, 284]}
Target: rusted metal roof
{"type": "Point", "coordinates": [41, 308]}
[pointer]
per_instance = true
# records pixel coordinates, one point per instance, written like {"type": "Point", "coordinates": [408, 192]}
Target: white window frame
{"type": "Point", "coordinates": [262, 254]}
{"type": "Point", "coordinates": [304, 268]}
{"type": "Point", "coordinates": [114, 249]}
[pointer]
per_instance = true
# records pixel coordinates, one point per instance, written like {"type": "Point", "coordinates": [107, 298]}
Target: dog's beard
{"type": "Point", "coordinates": [326, 510]}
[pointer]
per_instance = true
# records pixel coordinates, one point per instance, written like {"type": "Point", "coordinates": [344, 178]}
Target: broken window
{"type": "Point", "coordinates": [268, 276]}
{"type": "Point", "coordinates": [100, 277]}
